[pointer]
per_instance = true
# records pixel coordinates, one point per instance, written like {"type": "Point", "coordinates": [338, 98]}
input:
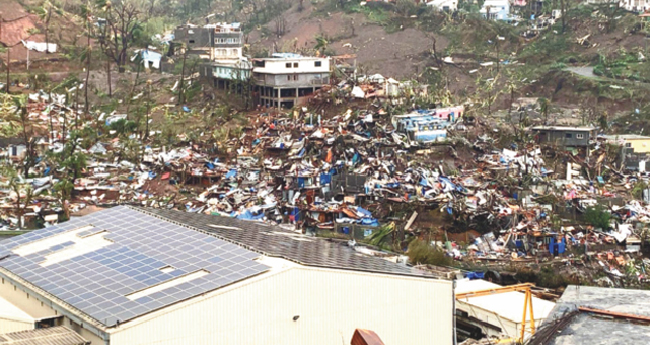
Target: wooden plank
{"type": "Point", "coordinates": [411, 220]}
{"type": "Point", "coordinates": [614, 314]}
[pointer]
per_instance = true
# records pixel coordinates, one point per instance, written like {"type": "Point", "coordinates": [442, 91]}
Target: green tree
{"type": "Point", "coordinates": [69, 163]}
{"type": "Point", "coordinates": [544, 107]}
{"type": "Point", "coordinates": [598, 217]}
{"type": "Point", "coordinates": [23, 191]}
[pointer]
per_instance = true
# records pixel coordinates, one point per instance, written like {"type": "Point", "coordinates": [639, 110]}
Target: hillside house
{"type": "Point", "coordinates": [496, 10]}
{"type": "Point", "coordinates": [564, 136]}
{"type": "Point", "coordinates": [286, 80]}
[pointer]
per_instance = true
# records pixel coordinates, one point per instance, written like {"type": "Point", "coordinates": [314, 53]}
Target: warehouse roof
{"type": "Point", "coordinates": [276, 242]}
{"type": "Point", "coordinates": [508, 305]}
{"type": "Point", "coordinates": [43, 336]}
{"type": "Point", "coordinates": [587, 329]}
{"type": "Point", "coordinates": [117, 264]}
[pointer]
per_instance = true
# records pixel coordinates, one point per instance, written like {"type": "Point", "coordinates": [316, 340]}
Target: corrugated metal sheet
{"type": "Point", "coordinates": [44, 336]}
{"type": "Point", "coordinates": [16, 30]}
{"type": "Point", "coordinates": [8, 326]}
{"type": "Point", "coordinates": [11, 10]}
{"type": "Point", "coordinates": [328, 306]}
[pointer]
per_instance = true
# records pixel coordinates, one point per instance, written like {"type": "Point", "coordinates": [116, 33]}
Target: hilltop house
{"type": "Point", "coordinates": [496, 9]}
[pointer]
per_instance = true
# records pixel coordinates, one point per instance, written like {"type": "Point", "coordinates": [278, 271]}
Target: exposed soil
{"type": "Point", "coordinates": [398, 55]}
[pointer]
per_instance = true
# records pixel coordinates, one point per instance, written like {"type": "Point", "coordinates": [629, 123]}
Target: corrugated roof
{"type": "Point", "coordinates": [43, 336]}
{"type": "Point", "coordinates": [11, 10]}
{"type": "Point", "coordinates": [276, 242]}
{"type": "Point", "coordinates": [563, 128]}
{"type": "Point", "coordinates": [508, 305]}
{"type": "Point", "coordinates": [16, 30]}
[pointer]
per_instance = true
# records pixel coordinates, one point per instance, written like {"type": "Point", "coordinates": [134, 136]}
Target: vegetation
{"type": "Point", "coordinates": [421, 252]}
{"type": "Point", "coordinates": [598, 217]}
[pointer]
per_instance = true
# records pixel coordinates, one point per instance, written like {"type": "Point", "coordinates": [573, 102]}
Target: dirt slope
{"type": "Point", "coordinates": [398, 55]}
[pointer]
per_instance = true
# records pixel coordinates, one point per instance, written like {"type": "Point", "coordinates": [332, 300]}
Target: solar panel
{"type": "Point", "coordinates": [98, 282]}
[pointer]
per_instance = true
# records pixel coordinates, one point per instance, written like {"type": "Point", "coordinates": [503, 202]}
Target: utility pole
{"type": "Point", "coordinates": [146, 133]}
{"type": "Point", "coordinates": [7, 63]}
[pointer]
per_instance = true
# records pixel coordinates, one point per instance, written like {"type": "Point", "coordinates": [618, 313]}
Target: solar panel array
{"type": "Point", "coordinates": [98, 283]}
{"type": "Point", "coordinates": [275, 241]}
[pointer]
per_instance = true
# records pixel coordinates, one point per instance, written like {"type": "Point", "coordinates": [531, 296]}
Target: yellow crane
{"type": "Point", "coordinates": [528, 301]}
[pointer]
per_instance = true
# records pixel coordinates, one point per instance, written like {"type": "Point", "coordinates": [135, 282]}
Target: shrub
{"type": "Point", "coordinates": [421, 252]}
{"type": "Point", "coordinates": [598, 216]}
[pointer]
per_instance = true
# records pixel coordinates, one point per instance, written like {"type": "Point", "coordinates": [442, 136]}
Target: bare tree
{"type": "Point", "coordinates": [123, 22]}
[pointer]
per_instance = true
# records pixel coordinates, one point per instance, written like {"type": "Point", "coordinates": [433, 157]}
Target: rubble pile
{"type": "Point", "coordinates": [359, 173]}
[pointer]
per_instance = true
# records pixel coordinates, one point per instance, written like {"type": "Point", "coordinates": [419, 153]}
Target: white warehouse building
{"type": "Point", "coordinates": [132, 276]}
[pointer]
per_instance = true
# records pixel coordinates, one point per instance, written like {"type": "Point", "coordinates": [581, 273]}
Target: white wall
{"type": "Point", "coordinates": [305, 65]}
{"type": "Point", "coordinates": [331, 305]}
{"type": "Point", "coordinates": [37, 309]}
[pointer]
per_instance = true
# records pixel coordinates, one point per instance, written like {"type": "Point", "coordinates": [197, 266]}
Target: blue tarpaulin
{"type": "Point", "coordinates": [474, 275]}
{"type": "Point", "coordinates": [231, 173]}
{"type": "Point", "coordinates": [301, 182]}
{"type": "Point", "coordinates": [364, 212]}
{"type": "Point", "coordinates": [209, 165]}
{"type": "Point", "coordinates": [370, 221]}
{"type": "Point", "coordinates": [247, 215]}
{"type": "Point", "coordinates": [325, 179]}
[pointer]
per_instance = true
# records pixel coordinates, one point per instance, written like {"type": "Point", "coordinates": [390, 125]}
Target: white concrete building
{"type": "Point", "coordinates": [498, 314]}
{"type": "Point", "coordinates": [128, 276]}
{"type": "Point", "coordinates": [444, 5]}
{"type": "Point", "coordinates": [285, 80]}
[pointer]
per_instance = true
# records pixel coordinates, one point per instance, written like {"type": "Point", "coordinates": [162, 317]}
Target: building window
{"type": "Point", "coordinates": [628, 144]}
{"type": "Point", "coordinates": [580, 136]}
{"type": "Point", "coordinates": [289, 77]}
{"type": "Point", "coordinates": [288, 65]}
{"type": "Point", "coordinates": [317, 64]}
{"type": "Point", "coordinates": [568, 135]}
{"type": "Point", "coordinates": [295, 77]}
{"type": "Point", "coordinates": [191, 41]}
{"type": "Point", "coordinates": [295, 65]}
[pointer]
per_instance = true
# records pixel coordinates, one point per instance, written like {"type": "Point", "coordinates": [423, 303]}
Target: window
{"type": "Point", "coordinates": [288, 65]}
{"type": "Point", "coordinates": [191, 41]}
{"type": "Point", "coordinates": [580, 136]}
{"type": "Point", "coordinates": [628, 144]}
{"type": "Point", "coordinates": [317, 64]}
{"type": "Point", "coordinates": [568, 135]}
{"type": "Point", "coordinates": [295, 77]}
{"type": "Point", "coordinates": [289, 77]}
{"type": "Point", "coordinates": [295, 65]}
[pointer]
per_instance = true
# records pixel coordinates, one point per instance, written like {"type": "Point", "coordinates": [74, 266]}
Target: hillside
{"type": "Point", "coordinates": [397, 42]}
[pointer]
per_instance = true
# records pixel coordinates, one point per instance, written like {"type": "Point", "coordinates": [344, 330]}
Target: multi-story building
{"type": "Point", "coordinates": [286, 80]}
{"type": "Point", "coordinates": [283, 80]}
{"type": "Point", "coordinates": [221, 45]}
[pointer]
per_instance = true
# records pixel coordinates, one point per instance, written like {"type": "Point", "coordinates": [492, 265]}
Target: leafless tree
{"type": "Point", "coordinates": [122, 22]}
